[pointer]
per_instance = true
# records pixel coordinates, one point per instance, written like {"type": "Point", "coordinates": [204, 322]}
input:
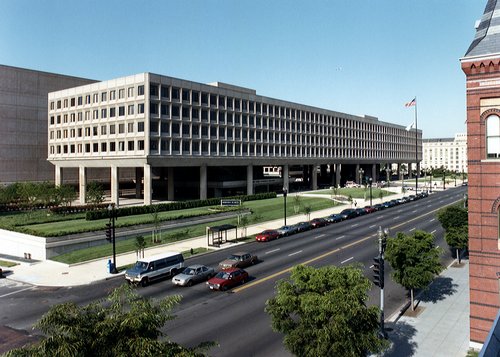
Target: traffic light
{"type": "Point", "coordinates": [109, 232]}
{"type": "Point", "coordinates": [378, 271]}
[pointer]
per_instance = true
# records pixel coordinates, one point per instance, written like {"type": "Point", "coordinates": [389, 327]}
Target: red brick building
{"type": "Point", "coordinates": [481, 65]}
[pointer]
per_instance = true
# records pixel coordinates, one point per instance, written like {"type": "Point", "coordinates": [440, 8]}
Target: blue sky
{"type": "Point", "coordinates": [358, 57]}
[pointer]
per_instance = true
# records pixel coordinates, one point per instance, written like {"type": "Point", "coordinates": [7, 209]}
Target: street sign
{"type": "Point", "coordinates": [230, 203]}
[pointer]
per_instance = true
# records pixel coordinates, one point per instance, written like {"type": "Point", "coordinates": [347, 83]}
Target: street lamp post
{"type": "Point", "coordinates": [361, 172]}
{"type": "Point", "coordinates": [370, 180]}
{"type": "Point", "coordinates": [430, 180]}
{"type": "Point", "coordinates": [284, 202]}
{"type": "Point", "coordinates": [111, 210]}
{"type": "Point", "coordinates": [382, 239]}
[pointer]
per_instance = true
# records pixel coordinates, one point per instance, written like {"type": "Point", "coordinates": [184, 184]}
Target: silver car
{"type": "Point", "coordinates": [193, 274]}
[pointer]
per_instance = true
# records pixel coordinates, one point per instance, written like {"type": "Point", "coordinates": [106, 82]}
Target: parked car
{"type": "Point", "coordinates": [388, 204]}
{"type": "Point", "coordinates": [379, 207]}
{"type": "Point", "coordinates": [334, 218]}
{"type": "Point", "coordinates": [412, 197]}
{"type": "Point", "coordinates": [287, 230]}
{"type": "Point", "coordinates": [303, 226]}
{"type": "Point", "coordinates": [193, 274]}
{"type": "Point", "coordinates": [267, 235]}
{"type": "Point", "coordinates": [318, 222]}
{"type": "Point", "coordinates": [238, 260]}
{"type": "Point", "coordinates": [348, 213]}
{"type": "Point", "coordinates": [360, 211]}
{"type": "Point", "coordinates": [369, 209]}
{"type": "Point", "coordinates": [226, 279]}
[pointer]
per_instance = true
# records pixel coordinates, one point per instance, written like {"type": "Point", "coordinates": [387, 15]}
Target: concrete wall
{"type": "Point", "coordinates": [18, 244]}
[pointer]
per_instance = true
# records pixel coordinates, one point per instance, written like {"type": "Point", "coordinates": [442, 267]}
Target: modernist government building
{"type": "Point", "coordinates": [187, 140]}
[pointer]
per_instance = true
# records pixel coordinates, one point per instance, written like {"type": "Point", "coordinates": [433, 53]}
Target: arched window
{"type": "Point", "coordinates": [493, 137]}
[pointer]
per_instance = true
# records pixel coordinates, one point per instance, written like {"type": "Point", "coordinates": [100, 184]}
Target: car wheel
{"type": "Point", "coordinates": [144, 282]}
{"type": "Point", "coordinates": [223, 288]}
{"type": "Point", "coordinates": [190, 283]}
{"type": "Point", "coordinates": [243, 281]}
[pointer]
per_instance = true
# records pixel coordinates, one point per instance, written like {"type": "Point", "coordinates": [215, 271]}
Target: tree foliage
{"type": "Point", "coordinates": [458, 238]}
{"type": "Point", "coordinates": [453, 216]}
{"type": "Point", "coordinates": [414, 260]}
{"type": "Point", "coordinates": [94, 193]}
{"type": "Point", "coordinates": [124, 325]}
{"type": "Point", "coordinates": [323, 312]}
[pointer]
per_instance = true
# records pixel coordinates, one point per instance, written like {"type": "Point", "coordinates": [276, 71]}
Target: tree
{"type": "Point", "coordinates": [307, 211]}
{"type": "Point", "coordinates": [453, 216]}
{"type": "Point", "coordinates": [95, 193]}
{"type": "Point", "coordinates": [140, 244]}
{"type": "Point", "coordinates": [155, 213]}
{"type": "Point", "coordinates": [243, 223]}
{"type": "Point", "coordinates": [323, 312]}
{"type": "Point", "coordinates": [296, 203]}
{"type": "Point", "coordinates": [414, 260]}
{"type": "Point", "coordinates": [458, 238]}
{"type": "Point", "coordinates": [124, 325]}
{"type": "Point", "coordinates": [66, 194]}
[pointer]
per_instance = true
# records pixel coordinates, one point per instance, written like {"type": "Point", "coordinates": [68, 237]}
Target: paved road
{"type": "Point", "coordinates": [236, 319]}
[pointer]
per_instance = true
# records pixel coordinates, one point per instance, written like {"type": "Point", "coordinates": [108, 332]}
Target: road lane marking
{"type": "Point", "coordinates": [15, 292]}
{"type": "Point", "coordinates": [434, 231]}
{"type": "Point", "coordinates": [432, 220]}
{"type": "Point", "coordinates": [345, 261]}
{"type": "Point", "coordinates": [396, 217]}
{"type": "Point", "coordinates": [326, 254]}
{"type": "Point", "coordinates": [371, 266]}
{"type": "Point", "coordinates": [354, 225]}
{"type": "Point", "coordinates": [412, 229]}
{"type": "Point", "coordinates": [294, 253]}
{"type": "Point", "coordinates": [429, 205]}
{"type": "Point", "coordinates": [317, 237]}
{"type": "Point", "coordinates": [413, 211]}
{"type": "Point", "coordinates": [373, 225]}
{"type": "Point", "coordinates": [380, 217]}
{"type": "Point", "coordinates": [339, 237]}
{"type": "Point", "coordinates": [272, 251]}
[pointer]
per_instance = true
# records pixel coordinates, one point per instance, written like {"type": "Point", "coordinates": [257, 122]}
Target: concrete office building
{"type": "Point", "coordinates": [23, 114]}
{"type": "Point", "coordinates": [449, 153]}
{"type": "Point", "coordinates": [481, 65]}
{"type": "Point", "coordinates": [183, 137]}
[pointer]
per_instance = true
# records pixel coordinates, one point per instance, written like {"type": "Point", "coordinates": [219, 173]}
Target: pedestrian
{"type": "Point", "coordinates": [355, 204]}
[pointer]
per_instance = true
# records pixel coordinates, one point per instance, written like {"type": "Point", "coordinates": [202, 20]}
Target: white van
{"type": "Point", "coordinates": [155, 267]}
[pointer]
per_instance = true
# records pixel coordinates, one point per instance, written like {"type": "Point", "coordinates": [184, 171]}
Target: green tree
{"type": "Point", "coordinates": [243, 223]}
{"type": "Point", "coordinates": [155, 213]}
{"type": "Point", "coordinates": [453, 216]}
{"type": "Point", "coordinates": [140, 244]}
{"type": "Point", "coordinates": [29, 193]}
{"type": "Point", "coordinates": [94, 193]}
{"type": "Point", "coordinates": [66, 194]}
{"type": "Point", "coordinates": [458, 238]}
{"type": "Point", "coordinates": [296, 203]}
{"type": "Point", "coordinates": [307, 211]}
{"type": "Point", "coordinates": [414, 260]}
{"type": "Point", "coordinates": [323, 312]}
{"type": "Point", "coordinates": [124, 325]}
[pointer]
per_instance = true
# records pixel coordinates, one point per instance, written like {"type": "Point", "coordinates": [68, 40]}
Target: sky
{"type": "Point", "coordinates": [363, 57]}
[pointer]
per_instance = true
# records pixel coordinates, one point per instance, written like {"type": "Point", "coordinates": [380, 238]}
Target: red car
{"type": "Point", "coordinates": [228, 278]}
{"type": "Point", "coordinates": [318, 222]}
{"type": "Point", "coordinates": [267, 235]}
{"type": "Point", "coordinates": [369, 209]}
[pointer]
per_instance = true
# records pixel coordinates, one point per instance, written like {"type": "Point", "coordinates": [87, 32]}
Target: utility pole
{"type": "Point", "coordinates": [379, 276]}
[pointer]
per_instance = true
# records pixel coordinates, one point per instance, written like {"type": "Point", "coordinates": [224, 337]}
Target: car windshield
{"type": "Point", "coordinates": [222, 275]}
{"type": "Point", "coordinates": [141, 265]}
{"type": "Point", "coordinates": [188, 271]}
{"type": "Point", "coordinates": [234, 257]}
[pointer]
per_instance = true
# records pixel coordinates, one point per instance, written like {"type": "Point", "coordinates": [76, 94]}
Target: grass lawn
{"type": "Point", "coordinates": [7, 264]}
{"type": "Point", "coordinates": [355, 192]}
{"type": "Point", "coordinates": [263, 210]}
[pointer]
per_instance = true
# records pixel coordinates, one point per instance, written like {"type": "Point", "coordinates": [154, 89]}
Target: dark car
{"type": "Point", "coordinates": [238, 260]}
{"type": "Point", "coordinates": [267, 235]}
{"type": "Point", "coordinates": [226, 279]}
{"type": "Point", "coordinates": [334, 218]}
{"type": "Point", "coordinates": [348, 213]}
{"type": "Point", "coordinates": [360, 211]}
{"type": "Point", "coordinates": [369, 209]}
{"type": "Point", "coordinates": [318, 222]}
{"type": "Point", "coordinates": [303, 226]}
{"type": "Point", "coordinates": [379, 207]}
{"type": "Point", "coordinates": [388, 204]}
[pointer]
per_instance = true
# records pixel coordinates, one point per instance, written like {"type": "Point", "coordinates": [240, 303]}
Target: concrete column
{"type": "Point", "coordinates": [357, 175]}
{"type": "Point", "coordinates": [410, 175]}
{"type": "Point", "coordinates": [203, 182]}
{"type": "Point", "coordinates": [388, 172]}
{"type": "Point", "coordinates": [314, 177]}
{"type": "Point", "coordinates": [374, 173]}
{"type": "Point", "coordinates": [82, 179]}
{"type": "Point", "coordinates": [338, 171]}
{"type": "Point", "coordinates": [59, 175]}
{"type": "Point", "coordinates": [148, 192]}
{"type": "Point", "coordinates": [115, 185]}
{"type": "Point", "coordinates": [400, 175]}
{"type": "Point", "coordinates": [170, 184]}
{"type": "Point", "coordinates": [286, 180]}
{"type": "Point", "coordinates": [138, 182]}
{"type": "Point", "coordinates": [250, 179]}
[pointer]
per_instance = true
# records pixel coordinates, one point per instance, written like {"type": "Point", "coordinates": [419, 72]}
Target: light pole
{"type": "Point", "coordinates": [370, 180]}
{"type": "Point", "coordinates": [284, 203]}
{"type": "Point", "coordinates": [361, 172]}
{"type": "Point", "coordinates": [430, 180]}
{"type": "Point", "coordinates": [382, 240]}
{"type": "Point", "coordinates": [111, 211]}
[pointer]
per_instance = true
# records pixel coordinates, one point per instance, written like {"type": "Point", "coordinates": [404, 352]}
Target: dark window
{"type": "Point", "coordinates": [185, 95]}
{"type": "Point", "coordinates": [164, 92]}
{"type": "Point", "coordinates": [153, 90]}
{"type": "Point", "coordinates": [196, 97]}
{"type": "Point", "coordinates": [175, 111]}
{"type": "Point", "coordinates": [204, 98]}
{"type": "Point", "coordinates": [140, 90]}
{"type": "Point", "coordinates": [175, 94]}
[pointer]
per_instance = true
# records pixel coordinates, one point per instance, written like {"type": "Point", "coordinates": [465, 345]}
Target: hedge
{"type": "Point", "coordinates": [173, 206]}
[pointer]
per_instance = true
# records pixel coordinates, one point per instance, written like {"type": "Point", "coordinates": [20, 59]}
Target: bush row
{"type": "Point", "coordinates": [173, 206]}
{"type": "Point", "coordinates": [78, 208]}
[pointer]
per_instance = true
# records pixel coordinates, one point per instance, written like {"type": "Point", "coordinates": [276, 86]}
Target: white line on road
{"type": "Point", "coordinates": [432, 220]}
{"type": "Point", "coordinates": [321, 235]}
{"type": "Point", "coordinates": [373, 225]}
{"type": "Point", "coordinates": [412, 229]}
{"type": "Point", "coordinates": [397, 217]}
{"type": "Point", "coordinates": [345, 261]}
{"type": "Point", "coordinates": [15, 292]}
{"type": "Point", "coordinates": [380, 217]}
{"type": "Point", "coordinates": [434, 231]}
{"type": "Point", "coordinates": [294, 253]}
{"type": "Point", "coordinates": [272, 251]}
{"type": "Point", "coordinates": [371, 266]}
{"type": "Point", "coordinates": [414, 211]}
{"type": "Point", "coordinates": [339, 237]}
{"type": "Point", "coordinates": [429, 205]}
{"type": "Point", "coordinates": [355, 225]}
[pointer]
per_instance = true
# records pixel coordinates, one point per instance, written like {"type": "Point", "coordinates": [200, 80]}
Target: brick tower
{"type": "Point", "coordinates": [481, 65]}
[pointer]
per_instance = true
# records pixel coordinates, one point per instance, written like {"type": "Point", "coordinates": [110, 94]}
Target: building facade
{"type": "Point", "coordinates": [158, 124]}
{"type": "Point", "coordinates": [448, 153]}
{"type": "Point", "coordinates": [481, 65]}
{"type": "Point", "coordinates": [23, 114]}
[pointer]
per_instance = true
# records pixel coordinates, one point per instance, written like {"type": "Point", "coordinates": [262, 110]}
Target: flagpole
{"type": "Point", "coordinates": [416, 148]}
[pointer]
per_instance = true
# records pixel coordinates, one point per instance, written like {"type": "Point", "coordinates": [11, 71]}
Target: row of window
{"type": "Point", "coordinates": [97, 130]}
{"type": "Point", "coordinates": [104, 147]}
{"type": "Point", "coordinates": [95, 98]}
{"type": "Point", "coordinates": [95, 114]}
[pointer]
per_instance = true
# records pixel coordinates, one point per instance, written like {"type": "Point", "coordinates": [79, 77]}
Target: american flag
{"type": "Point", "coordinates": [411, 103]}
